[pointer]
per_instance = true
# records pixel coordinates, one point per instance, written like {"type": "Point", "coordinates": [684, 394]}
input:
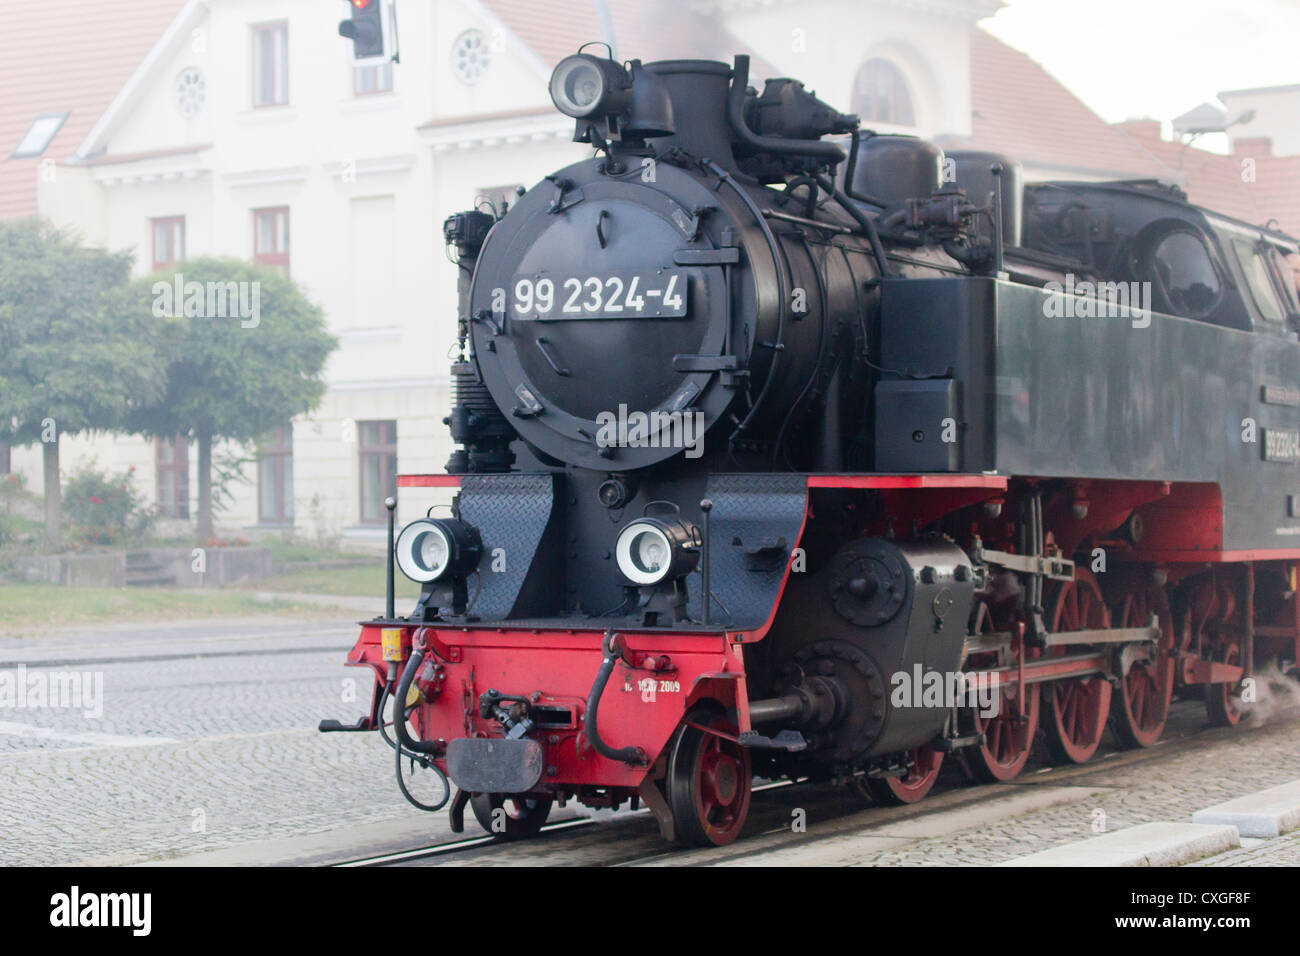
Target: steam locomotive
{"type": "Point", "coordinates": [786, 449]}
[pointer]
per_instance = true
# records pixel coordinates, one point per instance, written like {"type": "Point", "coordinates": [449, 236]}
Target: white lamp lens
{"type": "Point", "coordinates": [644, 553]}
{"type": "Point", "coordinates": [577, 86]}
{"type": "Point", "coordinates": [423, 551]}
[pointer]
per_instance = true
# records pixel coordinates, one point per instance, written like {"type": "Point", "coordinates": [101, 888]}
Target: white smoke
{"type": "Point", "coordinates": [1277, 697]}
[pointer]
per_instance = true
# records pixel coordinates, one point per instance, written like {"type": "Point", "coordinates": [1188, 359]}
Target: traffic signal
{"type": "Point", "coordinates": [371, 31]}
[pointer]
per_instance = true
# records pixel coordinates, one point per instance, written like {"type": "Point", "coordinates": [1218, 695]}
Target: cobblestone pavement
{"type": "Point", "coordinates": [1199, 768]}
{"type": "Point", "coordinates": [1148, 791]}
{"type": "Point", "coordinates": [205, 741]}
{"type": "Point", "coordinates": [1280, 851]}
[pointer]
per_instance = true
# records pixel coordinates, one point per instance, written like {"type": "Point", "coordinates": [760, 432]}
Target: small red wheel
{"type": "Point", "coordinates": [510, 817]}
{"type": "Point", "coordinates": [1141, 706]}
{"type": "Point", "coordinates": [1076, 708]}
{"type": "Point", "coordinates": [709, 781]}
{"type": "Point", "coordinates": [923, 771]}
{"type": "Point", "coordinates": [1221, 700]}
{"type": "Point", "coordinates": [1008, 734]}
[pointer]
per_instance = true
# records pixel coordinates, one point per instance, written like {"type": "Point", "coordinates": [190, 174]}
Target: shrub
{"type": "Point", "coordinates": [105, 509]}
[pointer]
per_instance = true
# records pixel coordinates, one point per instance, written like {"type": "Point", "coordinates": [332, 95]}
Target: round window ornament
{"type": "Point", "coordinates": [471, 55]}
{"type": "Point", "coordinates": [191, 92]}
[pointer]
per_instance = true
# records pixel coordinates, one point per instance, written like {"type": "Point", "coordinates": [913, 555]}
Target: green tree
{"type": "Point", "coordinates": [245, 350]}
{"type": "Point", "coordinates": [73, 358]}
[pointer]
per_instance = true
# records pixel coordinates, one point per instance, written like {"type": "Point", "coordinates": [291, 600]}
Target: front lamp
{"type": "Point", "coordinates": [651, 550]}
{"type": "Point", "coordinates": [587, 87]}
{"type": "Point", "coordinates": [434, 548]}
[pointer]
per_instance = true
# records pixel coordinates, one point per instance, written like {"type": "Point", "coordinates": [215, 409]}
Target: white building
{"type": "Point", "coordinates": [1277, 116]}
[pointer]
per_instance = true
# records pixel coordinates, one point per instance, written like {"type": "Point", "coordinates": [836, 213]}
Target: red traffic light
{"type": "Point", "coordinates": [369, 27]}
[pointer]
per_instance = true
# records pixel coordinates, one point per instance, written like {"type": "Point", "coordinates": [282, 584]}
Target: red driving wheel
{"type": "Point", "coordinates": [1076, 709]}
{"type": "Point", "coordinates": [1141, 706]}
{"type": "Point", "coordinates": [1221, 700]}
{"type": "Point", "coordinates": [1008, 734]}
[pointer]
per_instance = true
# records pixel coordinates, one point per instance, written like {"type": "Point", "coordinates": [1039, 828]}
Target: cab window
{"type": "Point", "coordinates": [1263, 292]}
{"type": "Point", "coordinates": [1184, 275]}
{"type": "Point", "coordinates": [1286, 272]}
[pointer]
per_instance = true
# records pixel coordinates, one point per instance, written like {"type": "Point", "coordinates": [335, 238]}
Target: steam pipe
{"type": "Point", "coordinates": [782, 265]}
{"type": "Point", "coordinates": [855, 138]}
{"type": "Point", "coordinates": [769, 144]}
{"type": "Point", "coordinates": [862, 219]}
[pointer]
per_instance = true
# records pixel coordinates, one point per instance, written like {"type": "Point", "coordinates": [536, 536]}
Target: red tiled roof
{"type": "Point", "coordinates": [1019, 108]}
{"type": "Point", "coordinates": [66, 55]}
{"type": "Point", "coordinates": [1266, 187]}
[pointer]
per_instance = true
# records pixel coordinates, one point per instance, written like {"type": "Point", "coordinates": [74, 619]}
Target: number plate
{"type": "Point", "coordinates": [616, 295]}
{"type": "Point", "coordinates": [1281, 444]}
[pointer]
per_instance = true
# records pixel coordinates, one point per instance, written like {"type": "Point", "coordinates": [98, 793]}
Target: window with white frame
{"type": "Point", "coordinates": [271, 64]}
{"type": "Point", "coordinates": [368, 80]}
{"type": "Point", "coordinates": [168, 236]}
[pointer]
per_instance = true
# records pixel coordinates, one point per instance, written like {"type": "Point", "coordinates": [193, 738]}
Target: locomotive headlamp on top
{"type": "Point", "coordinates": [655, 555]}
{"type": "Point", "coordinates": [610, 101]}
{"type": "Point", "coordinates": [585, 86]}
{"type": "Point", "coordinates": [439, 553]}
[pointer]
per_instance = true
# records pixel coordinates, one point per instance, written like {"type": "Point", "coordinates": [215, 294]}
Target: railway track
{"type": "Point", "coordinates": [631, 838]}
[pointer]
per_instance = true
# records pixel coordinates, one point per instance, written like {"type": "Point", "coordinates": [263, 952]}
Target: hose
{"type": "Point", "coordinates": [428, 765]}
{"type": "Point", "coordinates": [862, 219]}
{"type": "Point", "coordinates": [632, 755]}
{"type": "Point", "coordinates": [406, 746]}
{"type": "Point", "coordinates": [399, 707]}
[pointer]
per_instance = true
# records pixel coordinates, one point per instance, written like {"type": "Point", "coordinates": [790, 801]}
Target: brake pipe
{"type": "Point", "coordinates": [631, 755]}
{"type": "Point", "coordinates": [399, 706]}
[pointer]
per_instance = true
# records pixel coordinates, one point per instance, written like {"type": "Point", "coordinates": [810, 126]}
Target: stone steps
{"type": "Point", "coordinates": [143, 572]}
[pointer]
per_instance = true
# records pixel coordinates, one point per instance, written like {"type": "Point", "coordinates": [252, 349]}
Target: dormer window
{"type": "Point", "coordinates": [39, 135]}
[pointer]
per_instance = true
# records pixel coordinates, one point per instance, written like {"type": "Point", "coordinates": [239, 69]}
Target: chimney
{"type": "Point", "coordinates": [1143, 130]}
{"type": "Point", "coordinates": [1252, 146]}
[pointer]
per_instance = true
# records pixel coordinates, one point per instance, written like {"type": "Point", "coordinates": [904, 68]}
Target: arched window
{"type": "Point", "coordinates": [880, 94]}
